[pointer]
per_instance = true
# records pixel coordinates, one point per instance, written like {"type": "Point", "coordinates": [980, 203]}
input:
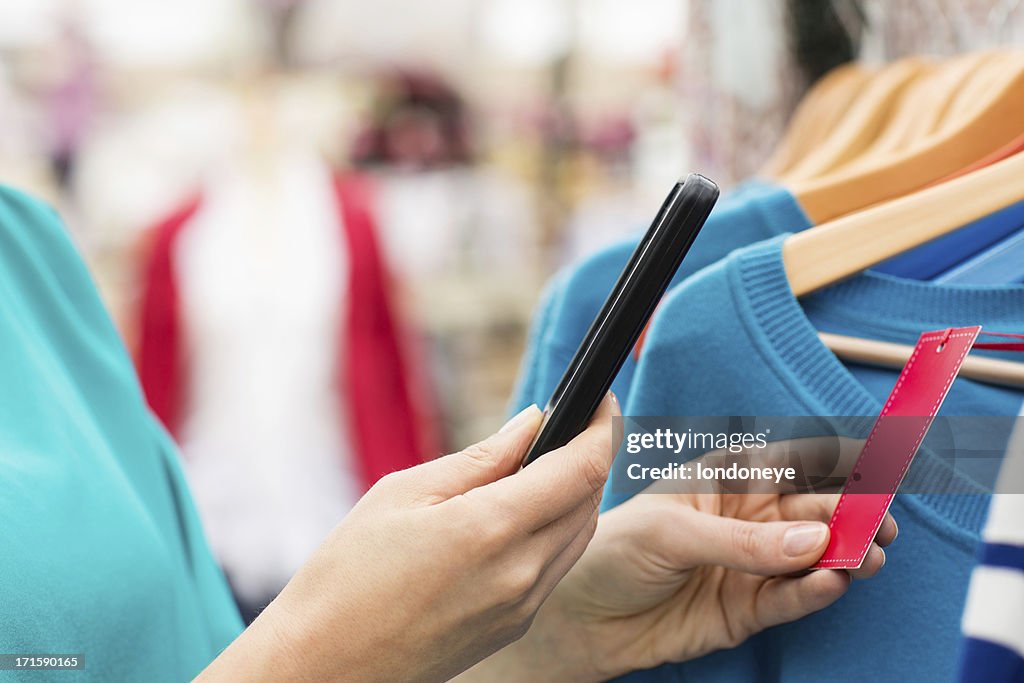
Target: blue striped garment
{"type": "Point", "coordinates": [993, 622]}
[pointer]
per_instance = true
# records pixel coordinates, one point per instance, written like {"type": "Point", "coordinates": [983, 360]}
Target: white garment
{"type": "Point", "coordinates": [439, 222]}
{"type": "Point", "coordinates": [262, 278]}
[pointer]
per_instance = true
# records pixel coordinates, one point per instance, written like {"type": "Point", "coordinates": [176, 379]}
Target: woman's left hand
{"type": "Point", "coordinates": [436, 567]}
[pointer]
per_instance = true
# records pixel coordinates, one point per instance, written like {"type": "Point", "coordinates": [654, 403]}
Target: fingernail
{"type": "Point", "coordinates": [521, 418]}
{"type": "Point", "coordinates": [802, 539]}
{"type": "Point", "coordinates": [614, 398]}
{"type": "Point", "coordinates": [896, 534]}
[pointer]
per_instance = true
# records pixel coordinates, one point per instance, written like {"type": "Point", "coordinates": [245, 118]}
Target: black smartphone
{"type": "Point", "coordinates": [626, 311]}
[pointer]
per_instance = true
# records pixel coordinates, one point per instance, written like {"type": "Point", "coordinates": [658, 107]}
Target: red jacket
{"type": "Point", "coordinates": [389, 431]}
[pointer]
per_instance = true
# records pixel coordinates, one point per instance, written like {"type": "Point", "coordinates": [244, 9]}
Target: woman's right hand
{"type": "Point", "coordinates": [686, 568]}
{"type": "Point", "coordinates": [437, 567]}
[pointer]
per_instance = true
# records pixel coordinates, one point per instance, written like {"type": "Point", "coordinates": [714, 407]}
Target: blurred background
{"type": "Point", "coordinates": [279, 196]}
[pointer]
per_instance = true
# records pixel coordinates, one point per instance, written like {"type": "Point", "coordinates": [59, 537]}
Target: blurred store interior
{"type": "Point", "coordinates": [116, 111]}
{"type": "Point", "coordinates": [502, 138]}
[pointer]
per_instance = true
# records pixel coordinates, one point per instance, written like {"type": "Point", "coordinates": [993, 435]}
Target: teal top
{"type": "Point", "coordinates": [102, 550]}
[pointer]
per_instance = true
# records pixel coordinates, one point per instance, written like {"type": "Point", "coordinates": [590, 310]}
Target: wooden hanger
{"type": "Point", "coordinates": [886, 354]}
{"type": "Point", "coordinates": [917, 97]}
{"type": "Point", "coordinates": [924, 104]}
{"type": "Point", "coordinates": [993, 123]}
{"type": "Point", "coordinates": [972, 95]}
{"type": "Point", "coordinates": [815, 117]}
{"type": "Point", "coordinates": [1015, 146]}
{"type": "Point", "coordinates": [975, 77]}
{"type": "Point", "coordinates": [866, 118]}
{"type": "Point", "coordinates": [846, 246]}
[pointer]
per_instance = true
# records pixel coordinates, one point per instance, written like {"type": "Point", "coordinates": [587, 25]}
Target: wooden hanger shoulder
{"type": "Point", "coordinates": [926, 102]}
{"type": "Point", "coordinates": [974, 91]}
{"type": "Point", "coordinates": [846, 246]}
{"type": "Point", "coordinates": [1015, 146]}
{"type": "Point", "coordinates": [993, 124]}
{"type": "Point", "coordinates": [865, 119]}
{"type": "Point", "coordinates": [816, 115]}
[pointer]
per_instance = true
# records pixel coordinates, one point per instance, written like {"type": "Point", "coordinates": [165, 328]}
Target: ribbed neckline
{"type": "Point", "coordinates": [910, 307]}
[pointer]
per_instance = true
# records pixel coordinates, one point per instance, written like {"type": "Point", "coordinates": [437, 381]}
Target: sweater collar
{"type": "Point", "coordinates": [783, 329]}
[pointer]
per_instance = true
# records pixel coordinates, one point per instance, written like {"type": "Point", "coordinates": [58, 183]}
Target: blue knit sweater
{"type": "Point", "coordinates": [754, 211]}
{"type": "Point", "coordinates": [734, 341]}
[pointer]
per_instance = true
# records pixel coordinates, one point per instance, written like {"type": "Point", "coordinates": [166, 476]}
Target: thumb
{"type": "Point", "coordinates": [497, 456]}
{"type": "Point", "coordinates": [764, 548]}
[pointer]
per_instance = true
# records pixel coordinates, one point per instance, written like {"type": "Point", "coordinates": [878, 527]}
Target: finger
{"type": "Point", "coordinates": [489, 460]}
{"type": "Point", "coordinates": [560, 481]}
{"type": "Point", "coordinates": [689, 538]}
{"type": "Point", "coordinates": [783, 599]}
{"type": "Point", "coordinates": [873, 563]}
{"type": "Point", "coordinates": [819, 507]}
{"type": "Point", "coordinates": [888, 532]}
{"type": "Point", "coordinates": [818, 463]}
{"type": "Point", "coordinates": [808, 506]}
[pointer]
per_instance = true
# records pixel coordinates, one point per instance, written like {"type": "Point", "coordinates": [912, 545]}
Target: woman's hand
{"type": "Point", "coordinates": [672, 575]}
{"type": "Point", "coordinates": [436, 567]}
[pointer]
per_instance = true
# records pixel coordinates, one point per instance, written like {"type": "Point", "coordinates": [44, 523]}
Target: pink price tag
{"type": "Point", "coordinates": [890, 447]}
